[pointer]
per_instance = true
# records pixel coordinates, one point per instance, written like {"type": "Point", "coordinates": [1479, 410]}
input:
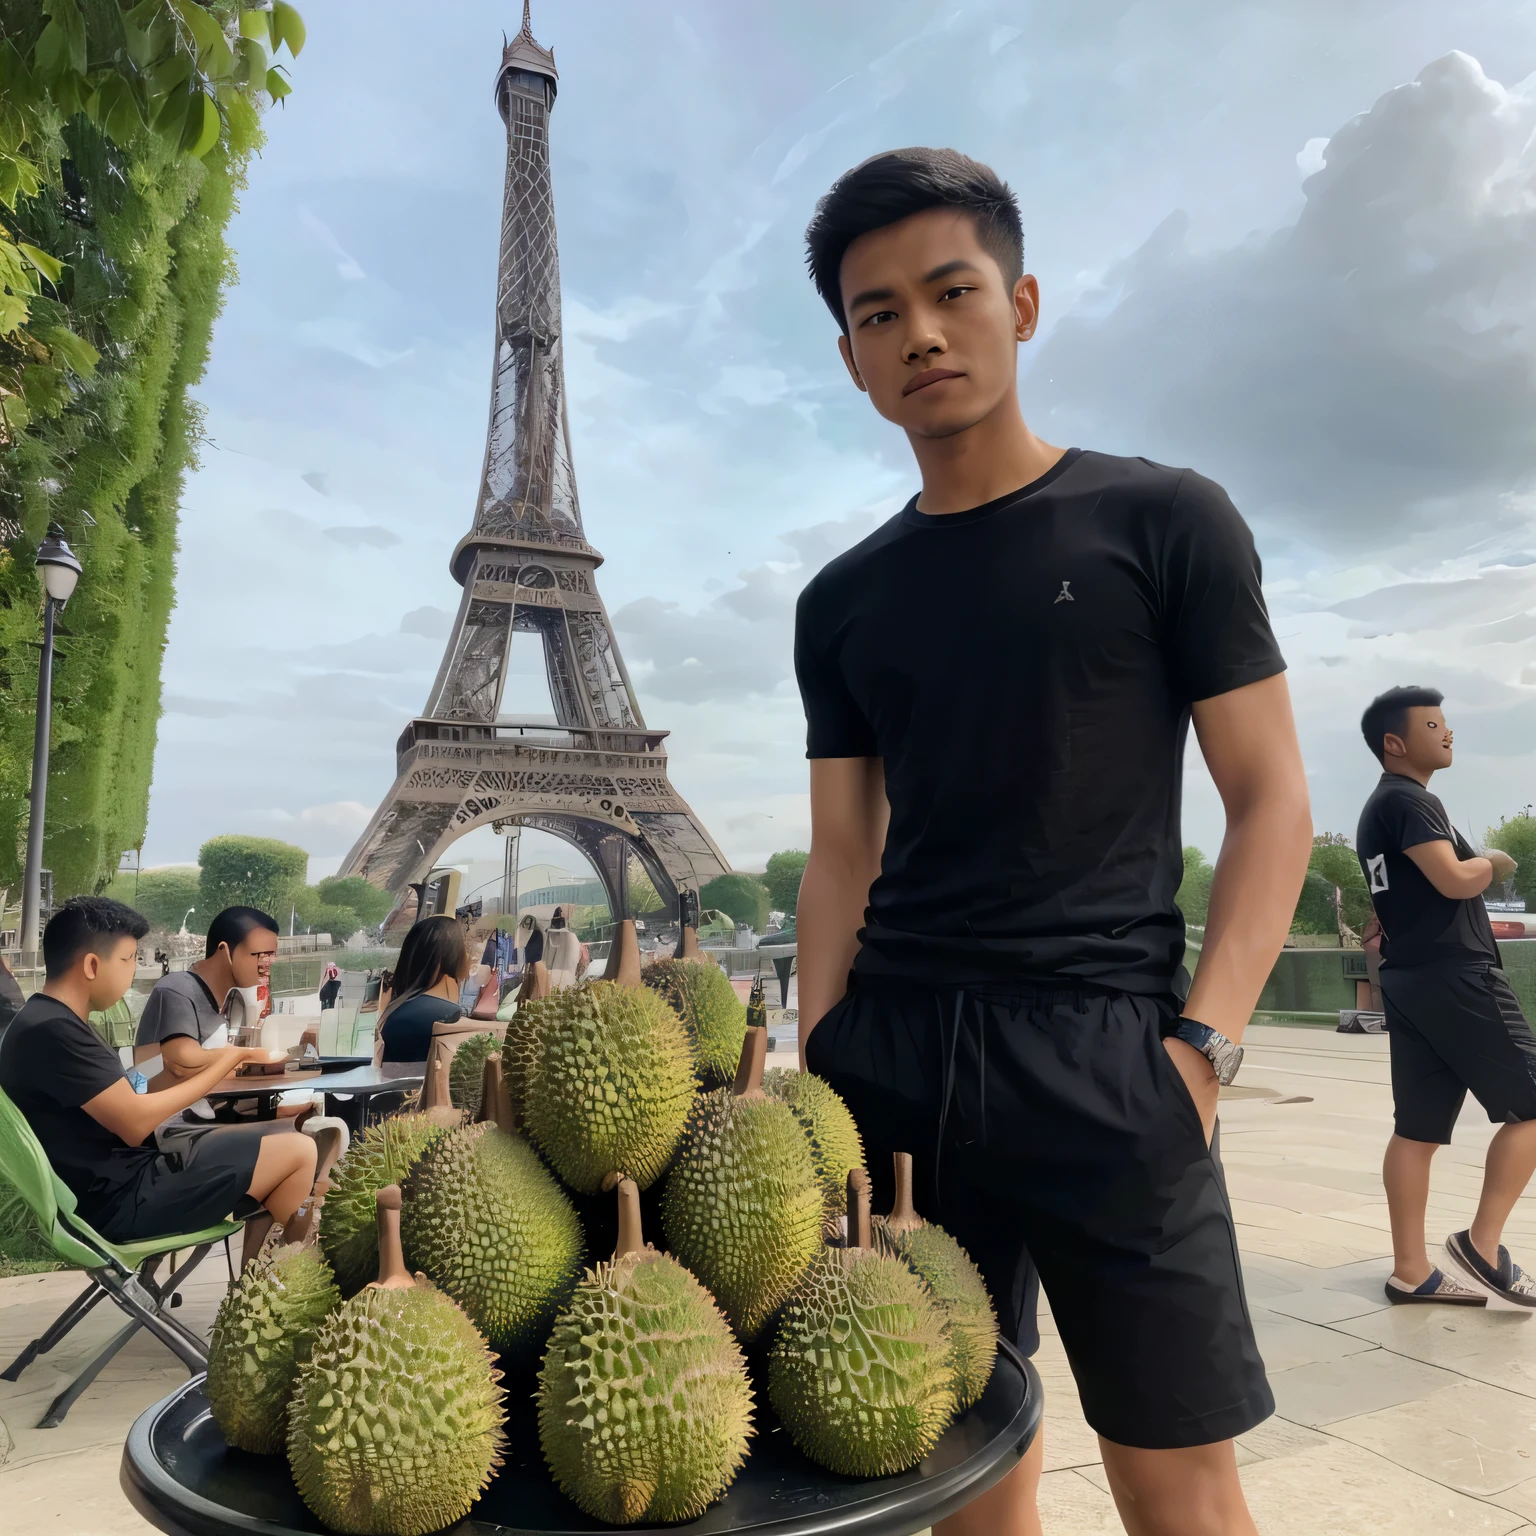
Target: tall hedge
{"type": "Point", "coordinates": [250, 872]}
{"type": "Point", "coordinates": [125, 131]}
{"type": "Point", "coordinates": [743, 898]}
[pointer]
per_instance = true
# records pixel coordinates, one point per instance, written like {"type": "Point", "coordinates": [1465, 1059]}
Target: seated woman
{"type": "Point", "coordinates": [99, 1134]}
{"type": "Point", "coordinates": [433, 963]}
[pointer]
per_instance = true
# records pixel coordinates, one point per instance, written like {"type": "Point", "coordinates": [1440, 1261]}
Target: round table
{"type": "Point", "coordinates": [183, 1479]}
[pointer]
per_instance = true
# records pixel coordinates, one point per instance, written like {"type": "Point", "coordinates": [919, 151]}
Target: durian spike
{"type": "Point", "coordinates": [749, 1070]}
{"type": "Point", "coordinates": [626, 952]}
{"type": "Point", "coordinates": [631, 1237]}
{"type": "Point", "coordinates": [858, 1208]}
{"type": "Point", "coordinates": [688, 945]}
{"type": "Point", "coordinates": [496, 1097]}
{"type": "Point", "coordinates": [304, 1229]}
{"type": "Point", "coordinates": [436, 1100]}
{"type": "Point", "coordinates": [903, 1217]}
{"type": "Point", "coordinates": [393, 1275]}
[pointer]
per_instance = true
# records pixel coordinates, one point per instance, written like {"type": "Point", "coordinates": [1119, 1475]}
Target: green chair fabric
{"type": "Point", "coordinates": [25, 1164]}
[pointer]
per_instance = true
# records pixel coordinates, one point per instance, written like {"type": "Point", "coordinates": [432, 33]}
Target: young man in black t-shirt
{"type": "Point", "coordinates": [1453, 1022]}
{"type": "Point", "coordinates": [998, 684]}
{"type": "Point", "coordinates": [98, 1133]}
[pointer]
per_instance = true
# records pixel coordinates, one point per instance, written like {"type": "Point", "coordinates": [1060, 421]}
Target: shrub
{"type": "Point", "coordinates": [163, 896]}
{"type": "Point", "coordinates": [1516, 835]}
{"type": "Point", "coordinates": [250, 872]}
{"type": "Point", "coordinates": [1194, 897]}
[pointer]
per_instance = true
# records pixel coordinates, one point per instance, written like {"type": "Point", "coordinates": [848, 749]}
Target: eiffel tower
{"type": "Point", "coordinates": [597, 776]}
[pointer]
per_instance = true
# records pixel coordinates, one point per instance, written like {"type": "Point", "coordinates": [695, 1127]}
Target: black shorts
{"type": "Point", "coordinates": [202, 1182]}
{"type": "Point", "coordinates": [1049, 1125]}
{"type": "Point", "coordinates": [1455, 1029]}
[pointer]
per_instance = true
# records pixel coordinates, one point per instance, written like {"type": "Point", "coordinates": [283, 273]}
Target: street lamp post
{"type": "Point", "coordinates": [59, 570]}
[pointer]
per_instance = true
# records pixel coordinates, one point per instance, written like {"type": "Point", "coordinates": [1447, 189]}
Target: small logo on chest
{"type": "Point", "coordinates": [1065, 595]}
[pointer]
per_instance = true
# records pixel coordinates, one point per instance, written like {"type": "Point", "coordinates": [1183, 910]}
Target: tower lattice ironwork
{"type": "Point", "coordinates": [597, 776]}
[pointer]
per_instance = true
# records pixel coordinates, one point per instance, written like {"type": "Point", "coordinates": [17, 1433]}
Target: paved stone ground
{"type": "Point", "coordinates": [1396, 1421]}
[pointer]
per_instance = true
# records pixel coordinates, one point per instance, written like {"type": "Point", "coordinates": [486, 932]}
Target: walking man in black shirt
{"type": "Point", "coordinates": [998, 684]}
{"type": "Point", "coordinates": [1452, 1020]}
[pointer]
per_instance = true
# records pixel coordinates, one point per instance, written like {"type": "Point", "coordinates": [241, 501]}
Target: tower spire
{"type": "Point", "coordinates": [527, 18]}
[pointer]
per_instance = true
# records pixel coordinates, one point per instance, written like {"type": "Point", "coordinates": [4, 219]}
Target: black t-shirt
{"type": "Point", "coordinates": [1419, 925]}
{"type": "Point", "coordinates": [52, 1062]}
{"type": "Point", "coordinates": [408, 1029]}
{"type": "Point", "coordinates": [1026, 670]}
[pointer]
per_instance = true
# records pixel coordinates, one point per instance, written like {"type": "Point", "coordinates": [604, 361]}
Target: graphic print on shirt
{"type": "Point", "coordinates": [1377, 869]}
{"type": "Point", "coordinates": [1065, 595]}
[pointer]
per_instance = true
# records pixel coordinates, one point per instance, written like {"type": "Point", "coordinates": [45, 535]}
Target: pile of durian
{"type": "Point", "coordinates": [453, 1255]}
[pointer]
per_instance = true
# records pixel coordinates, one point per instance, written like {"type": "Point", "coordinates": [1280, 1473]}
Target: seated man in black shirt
{"type": "Point", "coordinates": [998, 686]}
{"type": "Point", "coordinates": [98, 1133]}
{"type": "Point", "coordinates": [1453, 1022]}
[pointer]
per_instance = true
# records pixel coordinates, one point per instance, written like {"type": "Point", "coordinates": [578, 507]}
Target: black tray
{"type": "Point", "coordinates": [180, 1475]}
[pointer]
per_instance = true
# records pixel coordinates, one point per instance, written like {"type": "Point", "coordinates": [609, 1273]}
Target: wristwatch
{"type": "Point", "coordinates": [1222, 1054]}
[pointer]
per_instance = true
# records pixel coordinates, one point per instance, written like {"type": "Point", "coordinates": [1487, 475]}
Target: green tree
{"type": "Point", "coordinates": [743, 898]}
{"type": "Point", "coordinates": [163, 896]}
{"type": "Point", "coordinates": [370, 904]}
{"type": "Point", "coordinates": [250, 872]}
{"type": "Point", "coordinates": [314, 914]}
{"type": "Point", "coordinates": [1516, 835]}
{"type": "Point", "coordinates": [783, 879]}
{"type": "Point", "coordinates": [125, 130]}
{"type": "Point", "coordinates": [1194, 897]}
{"type": "Point", "coordinates": [1332, 862]}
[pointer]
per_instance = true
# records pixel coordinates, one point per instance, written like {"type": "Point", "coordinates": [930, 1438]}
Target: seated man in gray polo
{"type": "Point", "coordinates": [184, 1017]}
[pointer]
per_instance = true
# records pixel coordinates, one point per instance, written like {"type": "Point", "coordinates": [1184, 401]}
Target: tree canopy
{"type": "Point", "coordinates": [743, 898]}
{"type": "Point", "coordinates": [250, 872]}
{"type": "Point", "coordinates": [125, 130]}
{"type": "Point", "coordinates": [163, 896]}
{"type": "Point", "coordinates": [1516, 835]}
{"type": "Point", "coordinates": [783, 879]}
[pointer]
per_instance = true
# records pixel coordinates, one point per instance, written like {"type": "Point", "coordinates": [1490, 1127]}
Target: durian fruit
{"type": "Point", "coordinates": [859, 1371]}
{"type": "Point", "coordinates": [383, 1154]}
{"type": "Point", "coordinates": [947, 1270]}
{"type": "Point", "coordinates": [742, 1208]}
{"type": "Point", "coordinates": [261, 1336]}
{"type": "Point", "coordinates": [395, 1425]}
{"type": "Point", "coordinates": [486, 1221]}
{"type": "Point", "coordinates": [835, 1145]}
{"type": "Point", "coordinates": [644, 1405]}
{"type": "Point", "coordinates": [605, 1073]}
{"type": "Point", "coordinates": [467, 1069]}
{"type": "Point", "coordinates": [715, 1018]}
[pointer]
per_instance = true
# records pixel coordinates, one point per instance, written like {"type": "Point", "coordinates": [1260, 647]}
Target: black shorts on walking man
{"type": "Point", "coordinates": [998, 684]}
{"type": "Point", "coordinates": [1454, 1023]}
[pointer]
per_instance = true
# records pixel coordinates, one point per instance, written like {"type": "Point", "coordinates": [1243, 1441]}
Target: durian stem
{"type": "Point", "coordinates": [631, 1238]}
{"type": "Point", "coordinates": [496, 1097]}
{"type": "Point", "coordinates": [688, 945]}
{"type": "Point", "coordinates": [749, 1070]}
{"type": "Point", "coordinates": [434, 1091]}
{"type": "Point", "coordinates": [393, 1275]}
{"type": "Point", "coordinates": [858, 1208]}
{"type": "Point", "coordinates": [903, 1217]}
{"type": "Point", "coordinates": [625, 956]}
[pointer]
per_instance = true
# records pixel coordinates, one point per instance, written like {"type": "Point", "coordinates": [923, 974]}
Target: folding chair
{"type": "Point", "coordinates": [123, 1271]}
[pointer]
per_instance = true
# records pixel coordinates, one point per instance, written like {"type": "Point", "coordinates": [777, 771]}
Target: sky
{"type": "Point", "coordinates": [1288, 245]}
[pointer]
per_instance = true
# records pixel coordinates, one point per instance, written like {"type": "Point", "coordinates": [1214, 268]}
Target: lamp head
{"type": "Point", "coordinates": [57, 567]}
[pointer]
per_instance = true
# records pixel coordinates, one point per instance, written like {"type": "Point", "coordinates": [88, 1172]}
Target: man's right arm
{"type": "Point", "coordinates": [1457, 878]}
{"type": "Point", "coordinates": [132, 1116]}
{"type": "Point", "coordinates": [849, 815]}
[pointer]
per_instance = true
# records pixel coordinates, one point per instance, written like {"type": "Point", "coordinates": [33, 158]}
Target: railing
{"type": "Point", "coordinates": [567, 737]}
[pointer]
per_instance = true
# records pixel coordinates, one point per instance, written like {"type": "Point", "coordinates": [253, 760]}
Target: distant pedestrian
{"type": "Point", "coordinates": [1453, 1022]}
{"type": "Point", "coordinates": [330, 987]}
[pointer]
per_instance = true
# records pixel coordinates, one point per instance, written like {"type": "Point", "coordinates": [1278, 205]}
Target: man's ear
{"type": "Point", "coordinates": [1026, 307]}
{"type": "Point", "coordinates": [1393, 745]}
{"type": "Point", "coordinates": [90, 963]}
{"type": "Point", "coordinates": [845, 347]}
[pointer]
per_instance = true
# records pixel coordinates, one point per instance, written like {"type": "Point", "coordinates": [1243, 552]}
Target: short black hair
{"type": "Point", "coordinates": [894, 185]}
{"type": "Point", "coordinates": [234, 925]}
{"type": "Point", "coordinates": [82, 925]}
{"type": "Point", "coordinates": [1387, 714]}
